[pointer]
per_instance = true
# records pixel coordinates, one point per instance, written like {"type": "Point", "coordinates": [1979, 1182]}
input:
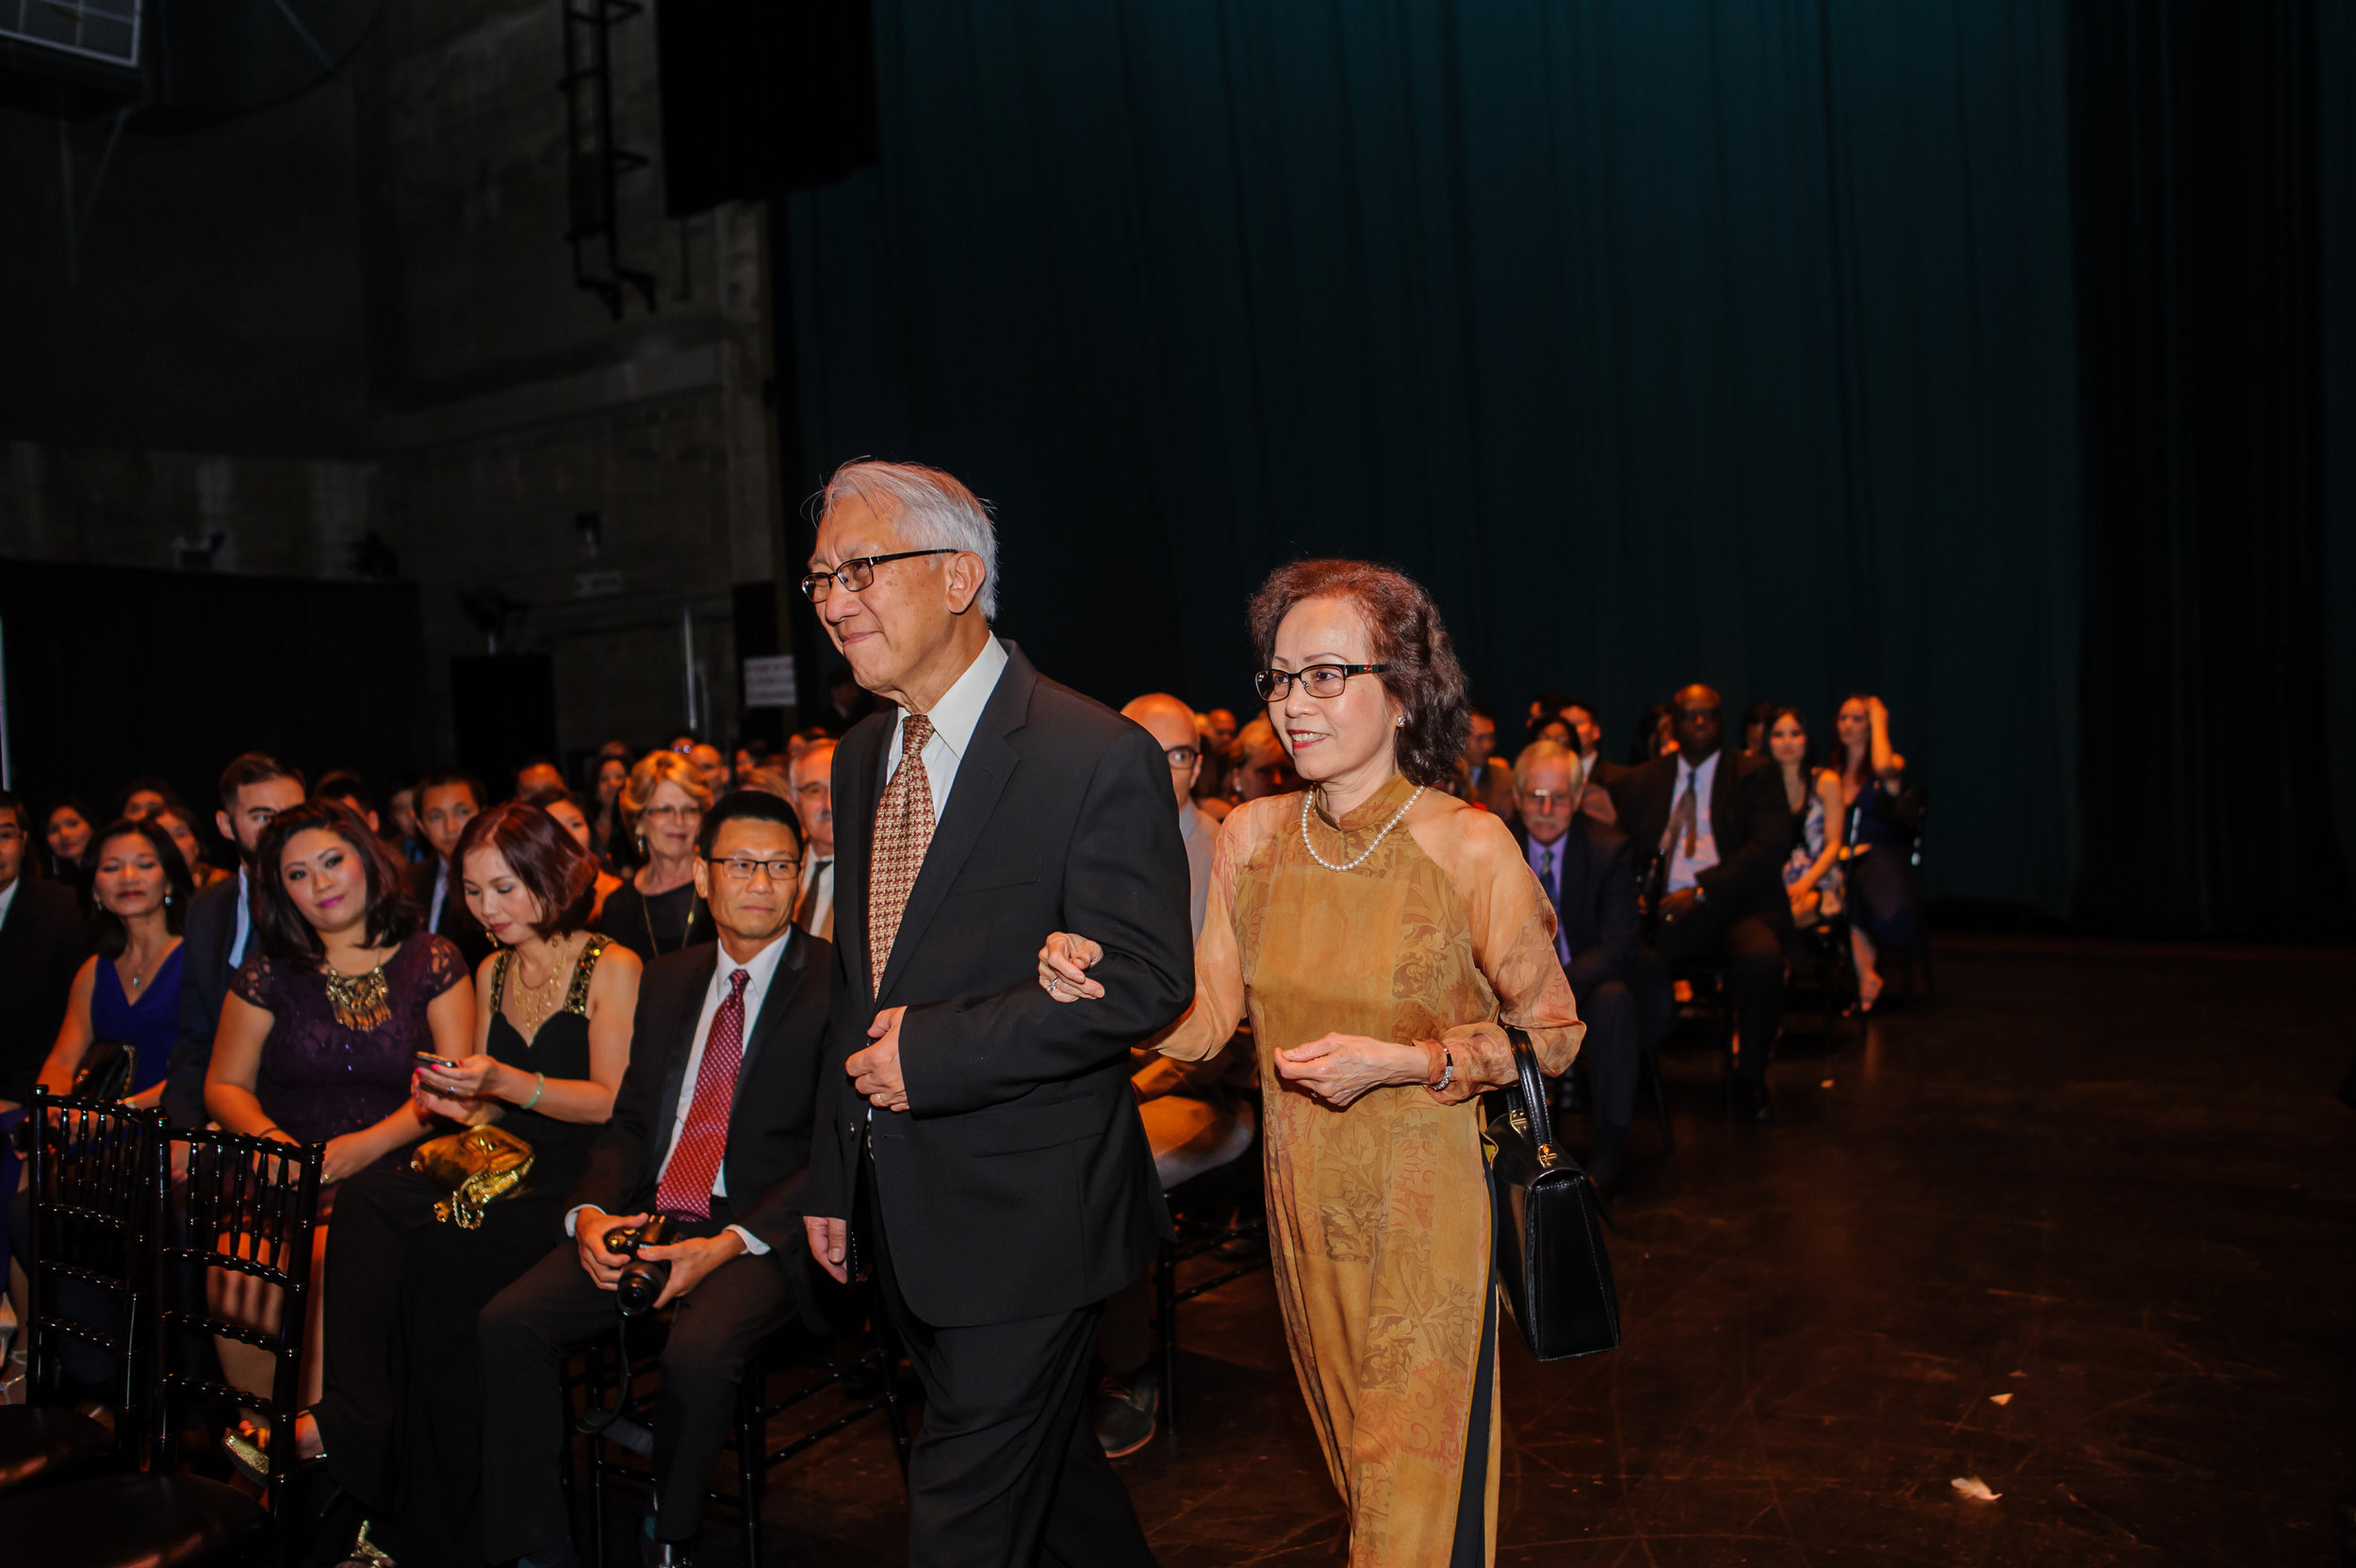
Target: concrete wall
{"type": "Point", "coordinates": [354, 313]}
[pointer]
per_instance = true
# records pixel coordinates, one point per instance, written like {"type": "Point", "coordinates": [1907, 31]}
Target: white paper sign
{"type": "Point", "coordinates": [769, 682]}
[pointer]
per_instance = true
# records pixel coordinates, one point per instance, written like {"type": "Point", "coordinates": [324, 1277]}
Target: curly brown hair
{"type": "Point", "coordinates": [1423, 677]}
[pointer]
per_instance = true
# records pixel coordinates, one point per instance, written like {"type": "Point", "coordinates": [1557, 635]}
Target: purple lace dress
{"type": "Point", "coordinates": [334, 1064]}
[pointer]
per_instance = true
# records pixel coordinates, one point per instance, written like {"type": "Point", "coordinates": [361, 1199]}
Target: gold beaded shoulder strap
{"type": "Point", "coordinates": [577, 995]}
{"type": "Point", "coordinates": [498, 980]}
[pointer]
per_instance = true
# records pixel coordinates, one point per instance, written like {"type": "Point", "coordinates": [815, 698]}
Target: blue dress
{"type": "Point", "coordinates": [150, 1023]}
{"type": "Point", "coordinates": [1883, 893]}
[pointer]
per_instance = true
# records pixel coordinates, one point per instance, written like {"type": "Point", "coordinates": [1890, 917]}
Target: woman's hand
{"type": "Point", "coordinates": [476, 1077]}
{"type": "Point", "coordinates": [347, 1155]}
{"type": "Point", "coordinates": [1063, 966]}
{"type": "Point", "coordinates": [1337, 1067]}
{"type": "Point", "coordinates": [456, 1107]}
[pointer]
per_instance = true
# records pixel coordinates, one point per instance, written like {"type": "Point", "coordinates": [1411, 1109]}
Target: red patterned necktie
{"type": "Point", "coordinates": [695, 1162]}
{"type": "Point", "coordinates": [904, 830]}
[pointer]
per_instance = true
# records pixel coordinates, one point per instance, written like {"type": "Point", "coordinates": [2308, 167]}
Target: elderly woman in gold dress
{"type": "Point", "coordinates": [1379, 933]}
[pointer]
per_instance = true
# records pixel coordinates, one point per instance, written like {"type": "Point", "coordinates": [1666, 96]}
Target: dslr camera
{"type": "Point", "coordinates": [643, 1279]}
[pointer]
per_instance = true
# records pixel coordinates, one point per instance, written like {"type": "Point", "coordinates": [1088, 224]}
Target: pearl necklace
{"type": "Point", "coordinates": [1306, 797]}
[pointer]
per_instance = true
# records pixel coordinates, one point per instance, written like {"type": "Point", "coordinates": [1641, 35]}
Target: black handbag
{"type": "Point", "coordinates": [1550, 1228]}
{"type": "Point", "coordinates": [105, 1072]}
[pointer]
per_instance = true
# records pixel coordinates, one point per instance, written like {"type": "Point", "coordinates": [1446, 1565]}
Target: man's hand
{"type": "Point", "coordinates": [876, 1072]}
{"type": "Point", "coordinates": [830, 1243]}
{"type": "Point", "coordinates": [1063, 966]}
{"type": "Point", "coordinates": [589, 1227]}
{"type": "Point", "coordinates": [691, 1261]}
{"type": "Point", "coordinates": [1677, 907]}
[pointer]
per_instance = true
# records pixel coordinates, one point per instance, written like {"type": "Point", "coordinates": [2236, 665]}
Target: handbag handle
{"type": "Point", "coordinates": [1528, 1098]}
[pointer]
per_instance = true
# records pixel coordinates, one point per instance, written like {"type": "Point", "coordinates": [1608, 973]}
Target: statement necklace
{"type": "Point", "coordinates": [1307, 795]}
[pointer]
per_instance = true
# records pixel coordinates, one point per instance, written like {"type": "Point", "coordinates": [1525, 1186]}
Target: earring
{"type": "Point", "coordinates": [1398, 721]}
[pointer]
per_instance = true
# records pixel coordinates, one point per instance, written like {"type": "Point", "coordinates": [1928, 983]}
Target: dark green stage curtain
{"type": "Point", "coordinates": [2206, 778]}
{"type": "Point", "coordinates": [1665, 340]}
{"type": "Point", "coordinates": [2338, 60]}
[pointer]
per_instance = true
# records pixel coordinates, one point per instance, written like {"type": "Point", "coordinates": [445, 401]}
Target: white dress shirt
{"type": "Point", "coordinates": [953, 718]}
{"type": "Point", "coordinates": [757, 973]}
{"type": "Point", "coordinates": [245, 923]}
{"type": "Point", "coordinates": [1198, 831]}
{"type": "Point", "coordinates": [8, 897]}
{"type": "Point", "coordinates": [1682, 867]}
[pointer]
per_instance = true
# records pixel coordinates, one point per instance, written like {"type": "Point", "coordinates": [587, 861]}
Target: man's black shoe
{"type": "Point", "coordinates": [1752, 1103]}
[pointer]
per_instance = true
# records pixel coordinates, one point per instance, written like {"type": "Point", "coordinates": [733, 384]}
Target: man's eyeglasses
{"type": "Point", "coordinates": [814, 790]}
{"type": "Point", "coordinates": [1183, 756]}
{"type": "Point", "coordinates": [740, 870]}
{"type": "Point", "coordinates": [1322, 680]}
{"type": "Point", "coordinates": [856, 574]}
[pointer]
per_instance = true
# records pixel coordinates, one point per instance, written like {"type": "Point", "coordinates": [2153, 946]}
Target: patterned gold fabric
{"type": "Point", "coordinates": [1379, 1213]}
{"type": "Point", "coordinates": [904, 831]}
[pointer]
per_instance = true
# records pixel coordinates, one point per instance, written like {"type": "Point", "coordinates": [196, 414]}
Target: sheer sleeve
{"type": "Point", "coordinates": [445, 966]}
{"type": "Point", "coordinates": [1219, 992]}
{"type": "Point", "coordinates": [1512, 933]}
{"type": "Point", "coordinates": [253, 979]}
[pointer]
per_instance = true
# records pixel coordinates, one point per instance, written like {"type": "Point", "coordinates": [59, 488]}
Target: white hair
{"type": "Point", "coordinates": [932, 509]}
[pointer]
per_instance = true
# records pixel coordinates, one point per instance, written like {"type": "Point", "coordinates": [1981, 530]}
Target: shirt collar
{"type": "Point", "coordinates": [8, 897]}
{"type": "Point", "coordinates": [1709, 769]}
{"type": "Point", "coordinates": [960, 708]}
{"type": "Point", "coordinates": [760, 972]}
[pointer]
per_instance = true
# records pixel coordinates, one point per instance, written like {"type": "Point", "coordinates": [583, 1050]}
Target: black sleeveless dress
{"type": "Point", "coordinates": [402, 1414]}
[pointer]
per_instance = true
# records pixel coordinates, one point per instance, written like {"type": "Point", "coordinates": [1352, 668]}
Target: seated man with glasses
{"type": "Point", "coordinates": [1588, 874]}
{"type": "Point", "coordinates": [711, 1127]}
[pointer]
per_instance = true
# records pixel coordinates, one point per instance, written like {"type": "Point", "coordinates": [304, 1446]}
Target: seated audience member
{"type": "Point", "coordinates": [143, 797]}
{"type": "Point", "coordinates": [401, 1418]}
{"type": "Point", "coordinates": [1715, 830]}
{"type": "Point", "coordinates": [1655, 737]}
{"type": "Point", "coordinates": [254, 788]}
{"type": "Point", "coordinates": [406, 840]}
{"type": "Point", "coordinates": [349, 788]}
{"type": "Point", "coordinates": [43, 939]}
{"type": "Point", "coordinates": [1545, 708]}
{"type": "Point", "coordinates": [605, 814]}
{"type": "Point", "coordinates": [128, 993]}
{"type": "Point", "coordinates": [319, 1039]}
{"type": "Point", "coordinates": [180, 823]}
{"type": "Point", "coordinates": [573, 817]}
{"type": "Point", "coordinates": [1879, 880]}
{"type": "Point", "coordinates": [812, 781]}
{"type": "Point", "coordinates": [1258, 763]}
{"type": "Point", "coordinates": [1198, 1116]}
{"type": "Point", "coordinates": [1491, 783]}
{"type": "Point", "coordinates": [66, 831]}
{"type": "Point", "coordinates": [1755, 721]}
{"type": "Point", "coordinates": [750, 756]}
{"type": "Point", "coordinates": [724, 1161]}
{"type": "Point", "coordinates": [536, 773]}
{"type": "Point", "coordinates": [659, 910]}
{"type": "Point", "coordinates": [1811, 874]}
{"type": "Point", "coordinates": [1595, 771]}
{"type": "Point", "coordinates": [447, 801]}
{"type": "Point", "coordinates": [712, 763]}
{"type": "Point", "coordinates": [1587, 871]}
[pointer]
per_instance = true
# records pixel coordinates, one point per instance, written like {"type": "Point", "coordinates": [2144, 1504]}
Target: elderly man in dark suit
{"type": "Point", "coordinates": [1715, 830]}
{"type": "Point", "coordinates": [712, 1126]}
{"type": "Point", "coordinates": [1586, 870]}
{"type": "Point", "coordinates": [254, 788]}
{"type": "Point", "coordinates": [987, 1137]}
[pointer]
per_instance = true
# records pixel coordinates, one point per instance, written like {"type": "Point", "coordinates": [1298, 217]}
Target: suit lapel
{"type": "Point", "coordinates": [683, 1044]}
{"type": "Point", "coordinates": [988, 761]}
{"type": "Point", "coordinates": [775, 1003]}
{"type": "Point", "coordinates": [1726, 804]}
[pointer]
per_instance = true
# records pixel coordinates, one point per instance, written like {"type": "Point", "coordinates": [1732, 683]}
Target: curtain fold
{"type": "Point", "coordinates": [1663, 342]}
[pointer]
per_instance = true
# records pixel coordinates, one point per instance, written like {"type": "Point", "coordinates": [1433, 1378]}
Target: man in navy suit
{"type": "Point", "coordinates": [1587, 872]}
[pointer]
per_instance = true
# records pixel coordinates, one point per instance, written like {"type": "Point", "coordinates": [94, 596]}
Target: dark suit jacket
{"type": "Point", "coordinates": [42, 945]}
{"type": "Point", "coordinates": [1019, 1181]}
{"type": "Point", "coordinates": [458, 923]}
{"type": "Point", "coordinates": [1597, 904]}
{"type": "Point", "coordinates": [1747, 816]}
{"type": "Point", "coordinates": [204, 943]}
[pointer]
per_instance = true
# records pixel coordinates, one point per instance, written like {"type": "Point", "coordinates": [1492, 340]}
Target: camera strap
{"type": "Point", "coordinates": [609, 1422]}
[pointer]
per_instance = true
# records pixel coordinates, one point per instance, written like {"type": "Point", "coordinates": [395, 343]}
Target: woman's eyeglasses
{"type": "Point", "coordinates": [1322, 680]}
{"type": "Point", "coordinates": [856, 574]}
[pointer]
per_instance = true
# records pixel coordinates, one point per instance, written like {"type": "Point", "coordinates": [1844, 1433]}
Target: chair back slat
{"type": "Point", "coordinates": [91, 1262]}
{"type": "Point", "coordinates": [250, 1207]}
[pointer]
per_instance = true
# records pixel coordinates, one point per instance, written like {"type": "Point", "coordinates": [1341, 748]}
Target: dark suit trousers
{"type": "Point", "coordinates": [1609, 1051]}
{"type": "Point", "coordinates": [1006, 1472]}
{"type": "Point", "coordinates": [1751, 951]}
{"type": "Point", "coordinates": [555, 1308]}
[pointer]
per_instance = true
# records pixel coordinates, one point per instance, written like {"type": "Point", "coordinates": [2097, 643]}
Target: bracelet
{"type": "Point", "coordinates": [538, 1089]}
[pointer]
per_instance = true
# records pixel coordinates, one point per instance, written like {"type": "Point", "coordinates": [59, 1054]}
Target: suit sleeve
{"type": "Point", "coordinates": [1615, 924]}
{"type": "Point", "coordinates": [619, 1161]}
{"type": "Point", "coordinates": [1753, 871]}
{"type": "Point", "coordinates": [1125, 888]}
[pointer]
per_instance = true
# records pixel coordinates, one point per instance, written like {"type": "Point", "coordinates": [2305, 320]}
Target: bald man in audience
{"type": "Point", "coordinates": [1198, 1116]}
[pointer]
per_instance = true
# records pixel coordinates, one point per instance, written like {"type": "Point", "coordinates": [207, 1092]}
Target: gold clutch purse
{"type": "Point", "coordinates": [480, 1165]}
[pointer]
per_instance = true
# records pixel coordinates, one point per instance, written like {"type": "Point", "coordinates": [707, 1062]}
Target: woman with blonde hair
{"type": "Point", "coordinates": [1382, 935]}
{"type": "Point", "coordinates": [656, 910]}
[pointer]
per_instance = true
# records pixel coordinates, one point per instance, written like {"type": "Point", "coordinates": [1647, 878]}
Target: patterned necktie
{"type": "Point", "coordinates": [904, 830]}
{"type": "Point", "coordinates": [1687, 817]}
{"type": "Point", "coordinates": [695, 1162]}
